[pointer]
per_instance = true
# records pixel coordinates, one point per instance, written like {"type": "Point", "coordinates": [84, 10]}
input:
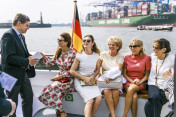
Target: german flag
{"type": "Point", "coordinates": [76, 32]}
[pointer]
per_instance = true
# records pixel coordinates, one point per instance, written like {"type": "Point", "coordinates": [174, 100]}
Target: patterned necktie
{"type": "Point", "coordinates": [20, 36]}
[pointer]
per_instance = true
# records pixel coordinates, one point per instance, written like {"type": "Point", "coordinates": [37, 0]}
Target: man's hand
{"type": "Point", "coordinates": [33, 61]}
{"type": "Point", "coordinates": [13, 107]}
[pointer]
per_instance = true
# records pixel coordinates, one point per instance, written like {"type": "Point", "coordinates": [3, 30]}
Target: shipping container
{"type": "Point", "coordinates": [100, 15]}
{"type": "Point", "coordinates": [94, 14]}
{"type": "Point", "coordinates": [88, 17]}
{"type": "Point", "coordinates": [107, 14]}
{"type": "Point", "coordinates": [139, 13]}
{"type": "Point", "coordinates": [130, 12]}
{"type": "Point", "coordinates": [145, 6]}
{"type": "Point", "coordinates": [144, 12]}
{"type": "Point", "coordinates": [153, 8]}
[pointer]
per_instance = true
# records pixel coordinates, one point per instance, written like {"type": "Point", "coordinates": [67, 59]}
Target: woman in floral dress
{"type": "Point", "coordinates": [63, 82]}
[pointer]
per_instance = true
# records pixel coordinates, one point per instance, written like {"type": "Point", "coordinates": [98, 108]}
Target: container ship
{"type": "Point", "coordinates": [132, 13]}
{"type": "Point", "coordinates": [31, 25]}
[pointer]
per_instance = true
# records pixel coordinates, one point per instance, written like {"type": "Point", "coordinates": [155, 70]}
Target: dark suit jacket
{"type": "Point", "coordinates": [5, 106]}
{"type": "Point", "coordinates": [14, 58]}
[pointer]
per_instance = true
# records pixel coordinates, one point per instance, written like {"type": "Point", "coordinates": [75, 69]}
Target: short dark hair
{"type": "Point", "coordinates": [20, 17]}
{"type": "Point", "coordinates": [163, 43]}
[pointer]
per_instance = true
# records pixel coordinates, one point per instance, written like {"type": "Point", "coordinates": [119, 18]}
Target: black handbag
{"type": "Point", "coordinates": [31, 71]}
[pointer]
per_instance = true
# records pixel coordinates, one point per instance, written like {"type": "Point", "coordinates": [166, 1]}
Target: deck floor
{"type": "Point", "coordinates": [52, 113]}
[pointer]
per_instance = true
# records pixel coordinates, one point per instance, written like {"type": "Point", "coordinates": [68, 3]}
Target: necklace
{"type": "Point", "coordinates": [157, 71]}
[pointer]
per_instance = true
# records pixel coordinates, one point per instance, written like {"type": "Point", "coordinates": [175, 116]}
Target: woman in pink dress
{"type": "Point", "coordinates": [136, 72]}
{"type": "Point", "coordinates": [63, 82]}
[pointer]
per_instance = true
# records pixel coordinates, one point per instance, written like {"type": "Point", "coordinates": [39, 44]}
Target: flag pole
{"type": "Point", "coordinates": [73, 28]}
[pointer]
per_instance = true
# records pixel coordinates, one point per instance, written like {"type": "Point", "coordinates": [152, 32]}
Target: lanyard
{"type": "Point", "coordinates": [157, 71]}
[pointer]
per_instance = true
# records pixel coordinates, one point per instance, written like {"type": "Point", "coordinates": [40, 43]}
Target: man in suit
{"type": "Point", "coordinates": [15, 61]}
{"type": "Point", "coordinates": [7, 106]}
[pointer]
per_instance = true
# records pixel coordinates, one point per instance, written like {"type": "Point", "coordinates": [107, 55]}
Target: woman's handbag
{"type": "Point", "coordinates": [115, 83]}
{"type": "Point", "coordinates": [64, 80]}
{"type": "Point", "coordinates": [83, 83]}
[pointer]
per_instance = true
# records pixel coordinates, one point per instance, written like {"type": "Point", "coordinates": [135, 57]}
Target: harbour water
{"type": "Point", "coordinates": [45, 39]}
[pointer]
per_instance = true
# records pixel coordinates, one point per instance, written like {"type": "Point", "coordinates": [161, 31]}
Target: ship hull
{"type": "Point", "coordinates": [135, 21]}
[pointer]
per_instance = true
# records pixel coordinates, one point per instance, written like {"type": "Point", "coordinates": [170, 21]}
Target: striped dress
{"type": "Point", "coordinates": [169, 87]}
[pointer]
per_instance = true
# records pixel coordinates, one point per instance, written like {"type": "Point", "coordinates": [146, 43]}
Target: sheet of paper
{"type": "Point", "coordinates": [7, 81]}
{"type": "Point", "coordinates": [37, 55]}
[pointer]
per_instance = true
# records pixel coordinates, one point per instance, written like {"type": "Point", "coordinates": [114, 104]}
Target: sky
{"type": "Point", "coordinates": [53, 11]}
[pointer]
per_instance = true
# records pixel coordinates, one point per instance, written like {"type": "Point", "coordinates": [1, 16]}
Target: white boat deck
{"type": "Point", "coordinates": [77, 105]}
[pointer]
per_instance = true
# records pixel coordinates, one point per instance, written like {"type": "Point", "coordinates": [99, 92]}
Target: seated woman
{"type": "Point", "coordinates": [63, 82]}
{"type": "Point", "coordinates": [136, 72]}
{"type": "Point", "coordinates": [161, 60]}
{"type": "Point", "coordinates": [110, 59]}
{"type": "Point", "coordinates": [85, 68]}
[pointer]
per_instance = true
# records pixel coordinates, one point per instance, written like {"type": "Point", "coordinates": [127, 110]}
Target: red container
{"type": "Point", "coordinates": [144, 6]}
{"type": "Point", "coordinates": [129, 14]}
{"type": "Point", "coordinates": [139, 13]}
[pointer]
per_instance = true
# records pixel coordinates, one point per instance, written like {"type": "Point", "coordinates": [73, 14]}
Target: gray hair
{"type": "Point", "coordinates": [20, 17]}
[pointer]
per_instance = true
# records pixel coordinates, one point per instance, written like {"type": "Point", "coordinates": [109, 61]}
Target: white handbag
{"type": "Point", "coordinates": [115, 83]}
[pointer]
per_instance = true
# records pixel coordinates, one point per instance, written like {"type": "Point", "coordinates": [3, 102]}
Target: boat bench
{"type": "Point", "coordinates": [103, 110]}
{"type": "Point", "coordinates": [140, 95]}
{"type": "Point", "coordinates": [77, 106]}
{"type": "Point", "coordinates": [74, 103]}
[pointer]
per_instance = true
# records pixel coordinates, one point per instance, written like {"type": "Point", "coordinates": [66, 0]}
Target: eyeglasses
{"type": "Point", "coordinates": [134, 46]}
{"type": "Point", "coordinates": [59, 40]}
{"type": "Point", "coordinates": [156, 48]}
{"type": "Point", "coordinates": [88, 41]}
{"type": "Point", "coordinates": [112, 45]}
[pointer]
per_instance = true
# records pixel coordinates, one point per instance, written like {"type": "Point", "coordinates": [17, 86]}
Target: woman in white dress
{"type": "Point", "coordinates": [111, 59]}
{"type": "Point", "coordinates": [85, 68]}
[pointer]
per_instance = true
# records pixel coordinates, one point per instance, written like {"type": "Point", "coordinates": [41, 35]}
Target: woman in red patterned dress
{"type": "Point", "coordinates": [63, 82]}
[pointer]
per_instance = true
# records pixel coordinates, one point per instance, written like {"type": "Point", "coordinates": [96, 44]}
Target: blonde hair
{"type": "Point", "coordinates": [116, 40]}
{"type": "Point", "coordinates": [140, 43]}
{"type": "Point", "coordinates": [94, 47]}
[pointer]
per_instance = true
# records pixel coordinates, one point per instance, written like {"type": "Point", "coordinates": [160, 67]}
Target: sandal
{"type": "Point", "coordinates": [63, 114]}
{"type": "Point", "coordinates": [109, 114]}
{"type": "Point", "coordinates": [58, 113]}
